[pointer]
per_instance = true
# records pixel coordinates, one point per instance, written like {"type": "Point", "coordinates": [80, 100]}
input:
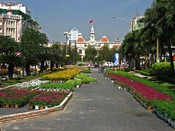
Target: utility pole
{"type": "Point", "coordinates": [157, 51]}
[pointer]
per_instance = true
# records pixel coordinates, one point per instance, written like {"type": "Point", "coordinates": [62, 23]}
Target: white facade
{"type": "Point", "coordinates": [75, 36]}
{"type": "Point", "coordinates": [11, 25]}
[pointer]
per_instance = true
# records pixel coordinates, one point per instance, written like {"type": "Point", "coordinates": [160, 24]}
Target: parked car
{"type": "Point", "coordinates": [108, 64]}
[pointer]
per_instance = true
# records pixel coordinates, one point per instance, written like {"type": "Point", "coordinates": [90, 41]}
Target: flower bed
{"type": "Point", "coordinates": [86, 71]}
{"type": "Point", "coordinates": [20, 97]}
{"type": "Point", "coordinates": [143, 90]}
{"type": "Point", "coordinates": [62, 75]}
{"type": "Point", "coordinates": [68, 85]}
{"type": "Point", "coordinates": [50, 98]}
{"type": "Point", "coordinates": [85, 78]}
{"type": "Point", "coordinates": [13, 96]}
{"type": "Point", "coordinates": [30, 84]}
{"type": "Point", "coordinates": [165, 110]}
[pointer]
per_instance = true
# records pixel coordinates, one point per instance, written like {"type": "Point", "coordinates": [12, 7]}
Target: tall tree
{"type": "Point", "coordinates": [90, 52]}
{"type": "Point", "coordinates": [161, 16]}
{"type": "Point", "coordinates": [132, 47]}
{"type": "Point", "coordinates": [32, 40]}
{"type": "Point", "coordinates": [57, 56]}
{"type": "Point", "coordinates": [104, 54]}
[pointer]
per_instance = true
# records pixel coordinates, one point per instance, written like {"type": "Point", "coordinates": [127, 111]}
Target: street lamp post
{"type": "Point", "coordinates": [75, 52]}
{"type": "Point", "coordinates": [66, 34]}
{"type": "Point", "coordinates": [23, 61]}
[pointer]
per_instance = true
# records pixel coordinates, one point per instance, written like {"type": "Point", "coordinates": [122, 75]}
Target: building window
{"type": "Point", "coordinates": [80, 52]}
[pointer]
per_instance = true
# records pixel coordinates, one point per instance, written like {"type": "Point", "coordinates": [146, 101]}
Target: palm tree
{"type": "Point", "coordinates": [132, 48]}
{"type": "Point", "coordinates": [8, 49]}
{"type": "Point", "coordinates": [161, 17]}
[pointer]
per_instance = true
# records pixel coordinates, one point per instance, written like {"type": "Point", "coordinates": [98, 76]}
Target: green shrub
{"type": "Point", "coordinates": [161, 68]}
{"type": "Point", "coordinates": [166, 108]}
{"type": "Point", "coordinates": [77, 82]}
{"type": "Point", "coordinates": [85, 71]}
{"type": "Point", "coordinates": [85, 78]}
{"type": "Point", "coordinates": [127, 69]}
{"type": "Point", "coordinates": [109, 70]}
{"type": "Point", "coordinates": [167, 79]}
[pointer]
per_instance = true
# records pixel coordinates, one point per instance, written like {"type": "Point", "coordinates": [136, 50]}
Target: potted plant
{"type": "Point", "coordinates": [78, 83]}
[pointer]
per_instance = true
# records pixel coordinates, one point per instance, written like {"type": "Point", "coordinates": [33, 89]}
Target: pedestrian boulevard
{"type": "Point", "coordinates": [98, 106]}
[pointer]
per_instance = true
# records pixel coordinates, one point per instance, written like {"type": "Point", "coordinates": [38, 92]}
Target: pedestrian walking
{"type": "Point", "coordinates": [89, 66]}
{"type": "Point", "coordinates": [100, 68]}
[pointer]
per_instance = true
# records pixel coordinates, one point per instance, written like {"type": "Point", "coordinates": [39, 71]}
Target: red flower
{"type": "Point", "coordinates": [141, 89]}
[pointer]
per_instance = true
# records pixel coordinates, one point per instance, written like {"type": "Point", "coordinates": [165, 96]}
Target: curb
{"type": "Point", "coordinates": [35, 114]}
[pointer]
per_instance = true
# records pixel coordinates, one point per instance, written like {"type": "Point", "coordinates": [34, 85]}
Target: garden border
{"type": "Point", "coordinates": [36, 113]}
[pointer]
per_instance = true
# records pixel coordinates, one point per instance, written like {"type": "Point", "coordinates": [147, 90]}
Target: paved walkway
{"type": "Point", "coordinates": [96, 107]}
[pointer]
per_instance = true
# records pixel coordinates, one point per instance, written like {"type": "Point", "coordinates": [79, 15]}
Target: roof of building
{"type": "Point", "coordinates": [104, 39]}
{"type": "Point", "coordinates": [80, 40]}
{"type": "Point", "coordinates": [117, 46]}
{"type": "Point", "coordinates": [16, 12]}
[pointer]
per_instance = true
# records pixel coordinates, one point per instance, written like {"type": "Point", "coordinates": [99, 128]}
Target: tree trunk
{"type": "Point", "coordinates": [171, 58]}
{"type": "Point", "coordinates": [51, 65]}
{"type": "Point", "coordinates": [28, 73]}
{"type": "Point", "coordinates": [137, 62]}
{"type": "Point", "coordinates": [10, 70]}
{"type": "Point", "coordinates": [42, 66]}
{"type": "Point", "coordinates": [131, 63]}
{"type": "Point", "coordinates": [56, 65]}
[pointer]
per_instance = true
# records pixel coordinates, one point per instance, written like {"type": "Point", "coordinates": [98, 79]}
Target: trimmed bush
{"type": "Point", "coordinates": [86, 78]}
{"type": "Point", "coordinates": [161, 68]}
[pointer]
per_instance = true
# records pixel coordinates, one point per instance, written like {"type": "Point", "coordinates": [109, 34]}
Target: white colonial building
{"type": "Point", "coordinates": [11, 25]}
{"type": "Point", "coordinates": [75, 38]}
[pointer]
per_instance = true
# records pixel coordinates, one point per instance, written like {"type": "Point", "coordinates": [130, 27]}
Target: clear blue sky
{"type": "Point", "coordinates": [58, 16]}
